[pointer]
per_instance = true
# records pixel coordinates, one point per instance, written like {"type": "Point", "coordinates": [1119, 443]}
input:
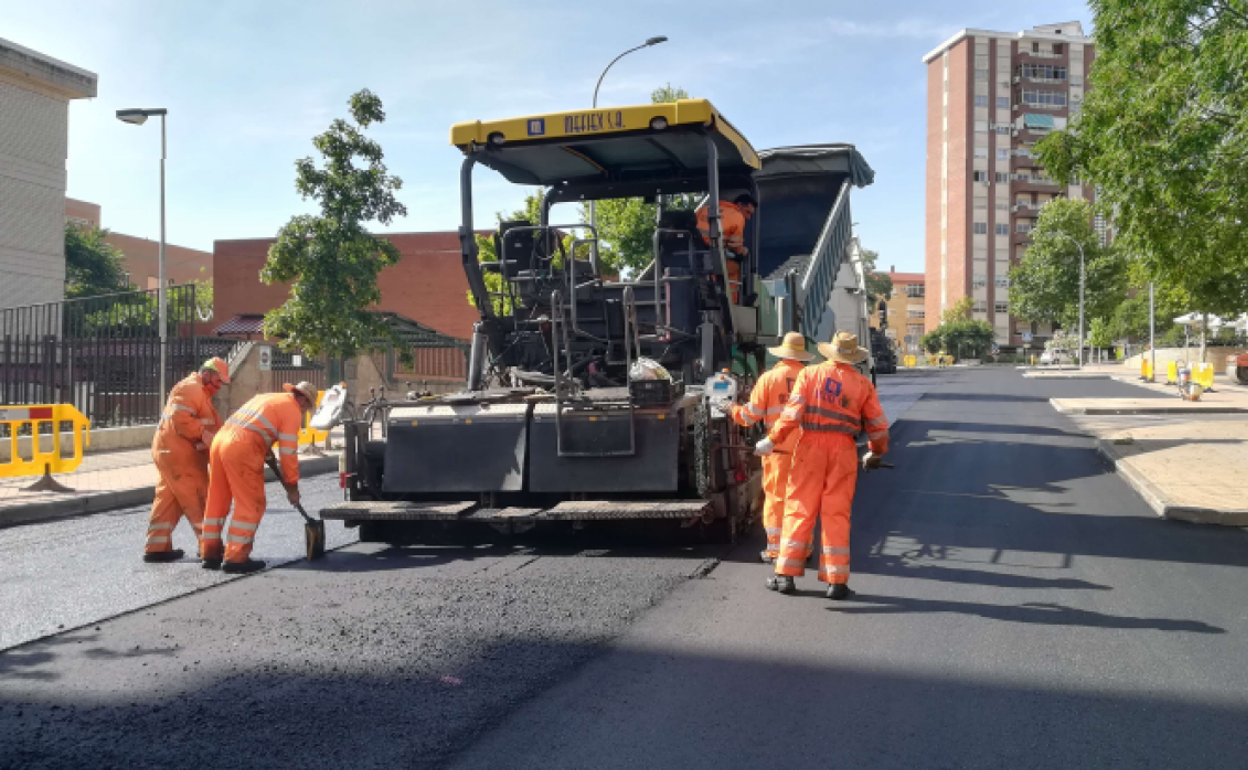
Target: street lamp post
{"type": "Point", "coordinates": [593, 208]}
{"type": "Point", "coordinates": [138, 116]}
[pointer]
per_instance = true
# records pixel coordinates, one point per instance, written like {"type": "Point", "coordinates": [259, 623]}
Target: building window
{"type": "Point", "coordinates": [981, 125]}
{"type": "Point", "coordinates": [1002, 307]}
{"type": "Point", "coordinates": [1037, 98]}
{"type": "Point", "coordinates": [1002, 229]}
{"type": "Point", "coordinates": [1002, 282]}
{"type": "Point", "coordinates": [979, 176]}
{"type": "Point", "coordinates": [981, 75]}
{"type": "Point", "coordinates": [1003, 102]}
{"type": "Point", "coordinates": [1003, 205]}
{"type": "Point", "coordinates": [1057, 48]}
{"type": "Point", "coordinates": [915, 290]}
{"type": "Point", "coordinates": [1035, 47]}
{"type": "Point", "coordinates": [981, 101]}
{"type": "Point", "coordinates": [1003, 130]}
{"type": "Point", "coordinates": [1002, 177]}
{"type": "Point", "coordinates": [1048, 73]}
{"type": "Point", "coordinates": [980, 306]}
{"type": "Point", "coordinates": [981, 203]}
{"type": "Point", "coordinates": [979, 281]}
{"type": "Point", "coordinates": [981, 153]}
{"type": "Point", "coordinates": [1023, 227]}
{"type": "Point", "coordinates": [915, 312]}
{"type": "Point", "coordinates": [981, 228]}
{"type": "Point", "coordinates": [1003, 154]}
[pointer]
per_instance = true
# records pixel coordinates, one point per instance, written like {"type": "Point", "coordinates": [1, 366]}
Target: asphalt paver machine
{"type": "Point", "coordinates": [550, 431]}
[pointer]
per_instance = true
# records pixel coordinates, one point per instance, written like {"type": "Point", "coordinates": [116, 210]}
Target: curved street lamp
{"type": "Point", "coordinates": [136, 116]}
{"type": "Point", "coordinates": [1079, 246]}
{"type": "Point", "coordinates": [593, 208]}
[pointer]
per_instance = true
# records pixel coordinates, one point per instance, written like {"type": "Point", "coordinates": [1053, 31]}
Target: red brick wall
{"type": "Point", "coordinates": [961, 139]}
{"type": "Point", "coordinates": [427, 285]}
{"type": "Point", "coordinates": [935, 93]}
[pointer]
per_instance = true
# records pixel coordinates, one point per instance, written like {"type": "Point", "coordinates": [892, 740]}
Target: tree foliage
{"type": "Point", "coordinates": [92, 266]}
{"type": "Point", "coordinates": [958, 311]}
{"type": "Point", "coordinates": [1163, 134]}
{"type": "Point", "coordinates": [879, 285]}
{"type": "Point", "coordinates": [1044, 286]}
{"type": "Point", "coordinates": [331, 260]}
{"type": "Point", "coordinates": [964, 338]}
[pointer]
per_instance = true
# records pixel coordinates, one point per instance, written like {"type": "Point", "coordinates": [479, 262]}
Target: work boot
{"type": "Point", "coordinates": [211, 564]}
{"type": "Point", "coordinates": [766, 558]}
{"type": "Point", "coordinates": [242, 567]}
{"type": "Point", "coordinates": [160, 557]}
{"type": "Point", "coordinates": [782, 583]}
{"type": "Point", "coordinates": [839, 591]}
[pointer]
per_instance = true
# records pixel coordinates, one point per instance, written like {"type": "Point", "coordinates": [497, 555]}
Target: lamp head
{"type": "Point", "coordinates": [138, 115]}
{"type": "Point", "coordinates": [656, 40]}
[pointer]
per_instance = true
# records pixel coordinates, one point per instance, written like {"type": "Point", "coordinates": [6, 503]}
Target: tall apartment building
{"type": "Point", "coordinates": [906, 311]}
{"type": "Point", "coordinates": [990, 97]}
{"type": "Point", "coordinates": [35, 91]}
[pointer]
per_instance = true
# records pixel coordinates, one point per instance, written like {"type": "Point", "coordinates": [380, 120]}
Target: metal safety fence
{"type": "Point", "coordinates": [100, 354]}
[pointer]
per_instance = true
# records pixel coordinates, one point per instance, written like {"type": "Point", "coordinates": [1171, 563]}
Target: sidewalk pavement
{"type": "Point", "coordinates": [109, 480]}
{"type": "Point", "coordinates": [1188, 460]}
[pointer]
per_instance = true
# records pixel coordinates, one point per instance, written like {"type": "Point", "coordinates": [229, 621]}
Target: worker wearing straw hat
{"type": "Point", "coordinates": [237, 460]}
{"type": "Point", "coordinates": [766, 402]}
{"type": "Point", "coordinates": [180, 451]}
{"type": "Point", "coordinates": [831, 403]}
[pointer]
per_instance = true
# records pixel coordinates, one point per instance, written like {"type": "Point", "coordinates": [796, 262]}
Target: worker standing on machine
{"type": "Point", "coordinates": [831, 403]}
{"type": "Point", "coordinates": [237, 461]}
{"type": "Point", "coordinates": [180, 451]}
{"type": "Point", "coordinates": [767, 401]}
{"type": "Point", "coordinates": [732, 219]}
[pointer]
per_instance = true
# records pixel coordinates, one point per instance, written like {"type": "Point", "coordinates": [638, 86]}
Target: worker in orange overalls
{"type": "Point", "coordinates": [732, 219]}
{"type": "Point", "coordinates": [831, 403]}
{"type": "Point", "coordinates": [180, 451]}
{"type": "Point", "coordinates": [767, 400]}
{"type": "Point", "coordinates": [237, 460]}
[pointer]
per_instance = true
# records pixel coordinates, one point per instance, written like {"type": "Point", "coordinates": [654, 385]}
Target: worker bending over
{"type": "Point", "coordinates": [830, 403]}
{"type": "Point", "coordinates": [767, 400]}
{"type": "Point", "coordinates": [237, 462]}
{"type": "Point", "coordinates": [180, 451]}
{"type": "Point", "coordinates": [732, 219]}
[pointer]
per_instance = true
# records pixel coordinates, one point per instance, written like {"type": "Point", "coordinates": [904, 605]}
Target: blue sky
{"type": "Point", "coordinates": [247, 85]}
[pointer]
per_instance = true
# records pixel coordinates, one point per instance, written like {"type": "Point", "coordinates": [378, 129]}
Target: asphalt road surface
{"type": "Point", "coordinates": [1017, 606]}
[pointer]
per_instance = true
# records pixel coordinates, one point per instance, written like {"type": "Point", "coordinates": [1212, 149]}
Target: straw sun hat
{"type": "Point", "coordinates": [793, 348]}
{"type": "Point", "coordinates": [844, 349]}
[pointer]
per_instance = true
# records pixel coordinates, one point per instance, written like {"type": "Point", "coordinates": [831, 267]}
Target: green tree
{"type": "Point", "coordinates": [668, 93]}
{"type": "Point", "coordinates": [1044, 286]}
{"type": "Point", "coordinates": [92, 266]}
{"type": "Point", "coordinates": [879, 285]}
{"type": "Point", "coordinates": [1161, 134]}
{"type": "Point", "coordinates": [962, 338]}
{"type": "Point", "coordinates": [331, 260]}
{"type": "Point", "coordinates": [958, 311]}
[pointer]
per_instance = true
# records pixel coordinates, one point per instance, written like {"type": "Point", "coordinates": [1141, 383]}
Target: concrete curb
{"type": "Point", "coordinates": [64, 508]}
{"type": "Point", "coordinates": [1158, 501]}
{"type": "Point", "coordinates": [1109, 410]}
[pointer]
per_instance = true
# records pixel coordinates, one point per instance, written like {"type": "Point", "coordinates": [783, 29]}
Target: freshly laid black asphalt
{"type": "Point", "coordinates": [1017, 606]}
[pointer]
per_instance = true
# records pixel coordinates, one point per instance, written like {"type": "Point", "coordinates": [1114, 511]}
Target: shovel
{"type": "Point", "coordinates": [313, 529]}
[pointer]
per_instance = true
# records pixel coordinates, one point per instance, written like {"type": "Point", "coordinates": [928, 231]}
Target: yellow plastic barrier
{"type": "Point", "coordinates": [910, 361]}
{"type": "Point", "coordinates": [1146, 370]}
{"type": "Point", "coordinates": [28, 419]}
{"type": "Point", "coordinates": [1172, 373]}
{"type": "Point", "coordinates": [306, 434]}
{"type": "Point", "coordinates": [1203, 376]}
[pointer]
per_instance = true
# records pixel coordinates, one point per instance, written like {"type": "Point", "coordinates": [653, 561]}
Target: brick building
{"type": "Point", "coordinates": [427, 285]}
{"type": "Point", "coordinates": [35, 91]}
{"type": "Point", "coordinates": [906, 311]}
{"type": "Point", "coordinates": [182, 265]}
{"type": "Point", "coordinates": [990, 97]}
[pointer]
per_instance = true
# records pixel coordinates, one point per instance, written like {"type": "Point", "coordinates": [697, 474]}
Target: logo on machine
{"type": "Point", "coordinates": [537, 127]}
{"type": "Point", "coordinates": [592, 122]}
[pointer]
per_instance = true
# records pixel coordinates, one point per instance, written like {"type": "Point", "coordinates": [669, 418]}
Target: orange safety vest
{"type": "Point", "coordinates": [188, 414]}
{"type": "Point", "coordinates": [275, 418]}
{"type": "Point", "coordinates": [769, 397]}
{"type": "Point", "coordinates": [731, 225]}
{"type": "Point", "coordinates": [833, 399]}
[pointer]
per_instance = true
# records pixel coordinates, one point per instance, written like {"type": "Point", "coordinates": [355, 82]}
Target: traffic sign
{"type": "Point", "coordinates": [1027, 337]}
{"type": "Point", "coordinates": [266, 359]}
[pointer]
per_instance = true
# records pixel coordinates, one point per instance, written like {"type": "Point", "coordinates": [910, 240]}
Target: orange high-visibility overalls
{"type": "Point", "coordinates": [237, 465]}
{"type": "Point", "coordinates": [831, 403]}
{"type": "Point", "coordinates": [188, 419]}
{"type": "Point", "coordinates": [767, 401]}
{"type": "Point", "coordinates": [732, 227]}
